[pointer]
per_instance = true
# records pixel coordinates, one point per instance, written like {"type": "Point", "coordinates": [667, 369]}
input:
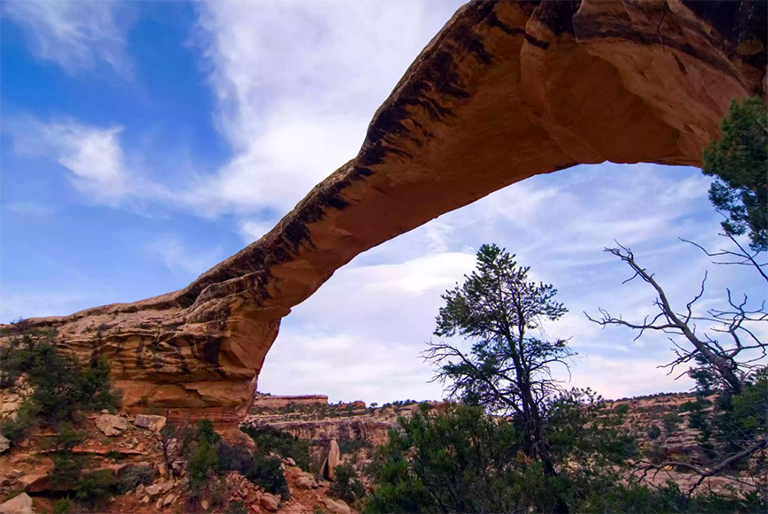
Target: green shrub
{"type": "Point", "coordinates": [61, 385]}
{"type": "Point", "coordinates": [622, 409]}
{"type": "Point", "coordinates": [671, 422]}
{"type": "Point", "coordinates": [218, 490]}
{"type": "Point", "coordinates": [266, 472]}
{"type": "Point", "coordinates": [132, 476]}
{"type": "Point", "coordinates": [655, 453]}
{"type": "Point", "coordinates": [94, 487]}
{"type": "Point", "coordinates": [67, 468]}
{"type": "Point", "coordinates": [346, 484]}
{"type": "Point", "coordinates": [271, 440]}
{"type": "Point", "coordinates": [654, 432]}
{"type": "Point", "coordinates": [353, 445]}
{"type": "Point", "coordinates": [233, 458]}
{"type": "Point", "coordinates": [202, 462]}
{"type": "Point", "coordinates": [63, 506]}
{"type": "Point", "coordinates": [237, 507]}
{"type": "Point", "coordinates": [206, 433]}
{"type": "Point", "coordinates": [26, 417]}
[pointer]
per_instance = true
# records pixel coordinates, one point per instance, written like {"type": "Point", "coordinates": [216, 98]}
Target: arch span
{"type": "Point", "coordinates": [505, 91]}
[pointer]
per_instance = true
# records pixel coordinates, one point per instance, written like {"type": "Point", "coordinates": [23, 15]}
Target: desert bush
{"type": "Point", "coordinates": [61, 386]}
{"type": "Point", "coordinates": [353, 445]}
{"type": "Point", "coordinates": [237, 507]}
{"type": "Point", "coordinates": [346, 484]}
{"type": "Point", "coordinates": [654, 432]}
{"type": "Point", "coordinates": [94, 487]}
{"type": "Point", "coordinates": [637, 498]}
{"type": "Point", "coordinates": [671, 422]}
{"type": "Point", "coordinates": [655, 453]}
{"type": "Point", "coordinates": [233, 458]}
{"type": "Point", "coordinates": [132, 476]}
{"type": "Point", "coordinates": [63, 506]}
{"type": "Point", "coordinates": [267, 473]}
{"type": "Point", "coordinates": [218, 490]}
{"type": "Point", "coordinates": [271, 440]}
{"type": "Point", "coordinates": [202, 462]}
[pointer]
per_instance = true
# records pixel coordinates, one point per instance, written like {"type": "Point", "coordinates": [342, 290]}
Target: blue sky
{"type": "Point", "coordinates": [143, 142]}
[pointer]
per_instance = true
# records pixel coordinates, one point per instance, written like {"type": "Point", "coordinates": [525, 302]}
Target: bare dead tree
{"type": "Point", "coordinates": [725, 356]}
{"type": "Point", "coordinates": [705, 473]}
{"type": "Point", "coordinates": [740, 257]}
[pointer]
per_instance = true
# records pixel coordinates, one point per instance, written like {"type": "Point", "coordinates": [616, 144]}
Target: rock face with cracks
{"type": "Point", "coordinates": [505, 91]}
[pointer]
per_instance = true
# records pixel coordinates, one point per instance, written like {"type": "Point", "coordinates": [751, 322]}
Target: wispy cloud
{"type": "Point", "coordinates": [297, 84]}
{"type": "Point", "coordinates": [182, 259]}
{"type": "Point", "coordinates": [92, 156]}
{"type": "Point", "coordinates": [29, 208]}
{"type": "Point", "coordinates": [252, 230]}
{"type": "Point", "coordinates": [76, 35]}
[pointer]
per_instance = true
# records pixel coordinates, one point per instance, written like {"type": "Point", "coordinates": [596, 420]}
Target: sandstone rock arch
{"type": "Point", "coordinates": [505, 91]}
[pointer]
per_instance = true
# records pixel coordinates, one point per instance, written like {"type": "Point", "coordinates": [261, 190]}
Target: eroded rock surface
{"type": "Point", "coordinates": [505, 91]}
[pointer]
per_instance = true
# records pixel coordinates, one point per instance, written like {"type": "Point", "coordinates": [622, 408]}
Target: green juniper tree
{"type": "Point", "coordinates": [508, 368]}
{"type": "Point", "coordinates": [739, 163]}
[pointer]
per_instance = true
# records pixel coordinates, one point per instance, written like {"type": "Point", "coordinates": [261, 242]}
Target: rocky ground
{"type": "Point", "coordinates": [114, 442]}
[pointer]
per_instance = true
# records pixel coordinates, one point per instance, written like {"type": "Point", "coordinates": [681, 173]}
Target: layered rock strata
{"type": "Point", "coordinates": [505, 91]}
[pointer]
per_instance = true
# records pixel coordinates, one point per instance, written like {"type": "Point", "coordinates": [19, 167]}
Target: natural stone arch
{"type": "Point", "coordinates": [505, 91]}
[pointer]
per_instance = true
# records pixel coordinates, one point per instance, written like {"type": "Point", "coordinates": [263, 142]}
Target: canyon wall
{"type": "Point", "coordinates": [505, 91]}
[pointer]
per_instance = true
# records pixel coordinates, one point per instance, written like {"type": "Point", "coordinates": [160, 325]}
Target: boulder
{"type": "Point", "coordinates": [269, 502]}
{"type": "Point", "coordinates": [169, 498]}
{"type": "Point", "coordinates": [150, 422]}
{"type": "Point", "coordinates": [306, 481]}
{"type": "Point", "coordinates": [111, 425]}
{"type": "Point", "coordinates": [20, 504]}
{"type": "Point", "coordinates": [303, 483]}
{"type": "Point", "coordinates": [337, 506]}
{"type": "Point", "coordinates": [33, 482]}
{"type": "Point", "coordinates": [5, 443]}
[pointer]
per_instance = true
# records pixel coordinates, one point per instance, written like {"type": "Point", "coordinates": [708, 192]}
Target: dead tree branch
{"type": "Point", "coordinates": [732, 321]}
{"type": "Point", "coordinates": [706, 473]}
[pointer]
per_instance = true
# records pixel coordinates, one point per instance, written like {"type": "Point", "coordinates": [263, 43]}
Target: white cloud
{"type": "Point", "coordinates": [92, 155]}
{"type": "Point", "coordinates": [30, 208]}
{"type": "Point", "coordinates": [76, 35]}
{"type": "Point", "coordinates": [181, 259]}
{"type": "Point", "coordinates": [297, 84]}
{"type": "Point", "coordinates": [252, 230]}
{"type": "Point", "coordinates": [618, 378]}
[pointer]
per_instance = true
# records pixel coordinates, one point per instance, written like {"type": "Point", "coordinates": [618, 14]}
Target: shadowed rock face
{"type": "Point", "coordinates": [505, 91]}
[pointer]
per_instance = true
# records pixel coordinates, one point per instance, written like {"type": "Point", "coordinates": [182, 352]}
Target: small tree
{"type": "Point", "coordinates": [739, 160]}
{"type": "Point", "coordinates": [507, 370]}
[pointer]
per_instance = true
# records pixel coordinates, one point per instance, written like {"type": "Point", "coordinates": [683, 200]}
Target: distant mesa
{"type": "Point", "coordinates": [505, 91]}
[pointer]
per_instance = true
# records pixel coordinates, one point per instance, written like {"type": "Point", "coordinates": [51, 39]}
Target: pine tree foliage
{"type": "Point", "coordinates": [739, 163]}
